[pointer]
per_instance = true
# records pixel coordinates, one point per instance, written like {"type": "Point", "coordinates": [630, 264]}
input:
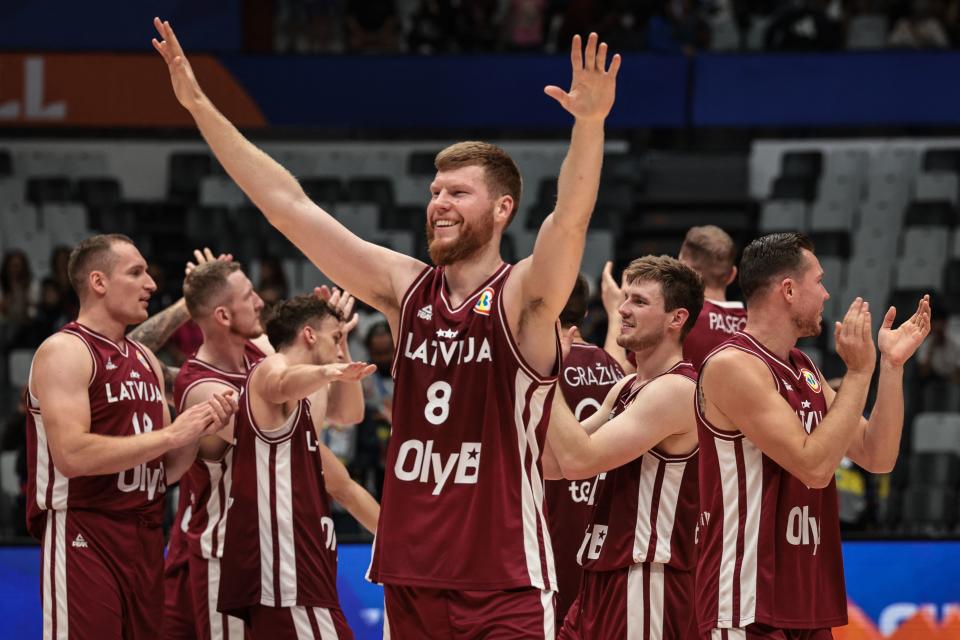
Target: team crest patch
{"type": "Point", "coordinates": [811, 379]}
{"type": "Point", "coordinates": [485, 302]}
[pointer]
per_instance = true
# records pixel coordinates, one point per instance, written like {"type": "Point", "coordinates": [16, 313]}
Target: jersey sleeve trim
{"type": "Point", "coordinates": [515, 349]}
{"type": "Point", "coordinates": [403, 317]}
{"type": "Point", "coordinates": [93, 358]}
{"type": "Point", "coordinates": [723, 433]}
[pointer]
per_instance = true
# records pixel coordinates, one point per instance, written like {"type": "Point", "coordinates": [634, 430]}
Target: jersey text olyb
{"type": "Point", "coordinates": [769, 545]}
{"type": "Point", "coordinates": [462, 502]}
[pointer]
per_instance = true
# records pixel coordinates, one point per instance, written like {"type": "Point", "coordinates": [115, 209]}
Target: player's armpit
{"type": "Point", "coordinates": [740, 394]}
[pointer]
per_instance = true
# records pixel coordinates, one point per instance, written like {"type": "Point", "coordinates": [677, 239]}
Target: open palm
{"type": "Point", "coordinates": [897, 345]}
{"type": "Point", "coordinates": [593, 87]}
{"type": "Point", "coordinates": [185, 85]}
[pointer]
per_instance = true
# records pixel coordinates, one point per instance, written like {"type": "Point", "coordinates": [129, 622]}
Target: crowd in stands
{"type": "Point", "coordinates": [482, 26]}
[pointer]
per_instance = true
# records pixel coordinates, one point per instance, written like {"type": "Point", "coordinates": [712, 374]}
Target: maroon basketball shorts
{"type": "Point", "coordinates": [297, 623]}
{"type": "Point", "coordinates": [644, 601]}
{"type": "Point", "coordinates": [763, 632]}
{"type": "Point", "coordinates": [204, 590]}
{"type": "Point", "coordinates": [101, 576]}
{"type": "Point", "coordinates": [178, 619]}
{"type": "Point", "coordinates": [419, 613]}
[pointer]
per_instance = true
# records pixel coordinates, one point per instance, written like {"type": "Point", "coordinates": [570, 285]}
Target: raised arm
{"type": "Point", "coordinates": [345, 490]}
{"type": "Point", "coordinates": [559, 246]}
{"type": "Point", "coordinates": [345, 405]}
{"type": "Point", "coordinates": [61, 373]}
{"type": "Point", "coordinates": [280, 382]}
{"type": "Point", "coordinates": [612, 297]}
{"type": "Point", "coordinates": [377, 275]}
{"type": "Point", "coordinates": [772, 425]}
{"type": "Point", "coordinates": [876, 445]}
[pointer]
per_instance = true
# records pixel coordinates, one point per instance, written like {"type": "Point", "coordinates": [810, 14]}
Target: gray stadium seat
{"type": "Point", "coordinates": [877, 242]}
{"type": "Point", "coordinates": [929, 242]}
{"type": "Point", "coordinates": [220, 190]}
{"type": "Point", "coordinates": [16, 221]}
{"type": "Point", "coordinates": [830, 215]}
{"type": "Point", "coordinates": [936, 433]}
{"type": "Point", "coordinates": [18, 366]}
{"type": "Point", "coordinates": [783, 215]}
{"type": "Point", "coordinates": [834, 272]}
{"type": "Point", "coordinates": [756, 37]}
{"type": "Point", "coordinates": [725, 35]}
{"type": "Point", "coordinates": [918, 272]}
{"type": "Point", "coordinates": [937, 186]}
{"type": "Point", "coordinates": [66, 224]}
{"type": "Point", "coordinates": [868, 31]}
{"type": "Point", "coordinates": [11, 190]}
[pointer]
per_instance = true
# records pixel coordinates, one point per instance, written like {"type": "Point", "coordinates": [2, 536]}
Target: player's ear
{"type": "Point", "coordinates": [505, 207]}
{"type": "Point", "coordinates": [679, 318]}
{"type": "Point", "coordinates": [96, 282]}
{"type": "Point", "coordinates": [732, 275]}
{"type": "Point", "coordinates": [221, 315]}
{"type": "Point", "coordinates": [309, 335]}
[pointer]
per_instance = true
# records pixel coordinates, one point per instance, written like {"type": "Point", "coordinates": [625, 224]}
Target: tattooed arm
{"type": "Point", "coordinates": [157, 329]}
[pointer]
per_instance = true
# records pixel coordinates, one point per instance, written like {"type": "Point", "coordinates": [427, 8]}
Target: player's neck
{"type": "Point", "coordinates": [223, 350]}
{"type": "Point", "coordinates": [661, 357]}
{"type": "Point", "coordinates": [716, 294]}
{"type": "Point", "coordinates": [466, 276]}
{"type": "Point", "coordinates": [777, 335]}
{"type": "Point", "coordinates": [98, 319]}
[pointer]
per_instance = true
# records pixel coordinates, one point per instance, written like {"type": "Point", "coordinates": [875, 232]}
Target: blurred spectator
{"type": "Point", "coordinates": [680, 26]}
{"type": "Point", "coordinates": [433, 27]}
{"type": "Point", "coordinates": [70, 304]}
{"type": "Point", "coordinates": [273, 286]}
{"type": "Point", "coordinates": [938, 363]}
{"type": "Point", "coordinates": [371, 26]}
{"type": "Point", "coordinates": [524, 26]}
{"type": "Point", "coordinates": [478, 25]}
{"type": "Point", "coordinates": [15, 439]}
{"type": "Point", "coordinates": [49, 316]}
{"type": "Point", "coordinates": [803, 25]}
{"type": "Point", "coordinates": [308, 26]}
{"type": "Point", "coordinates": [373, 433]}
{"type": "Point", "coordinates": [16, 288]}
{"type": "Point", "coordinates": [921, 28]}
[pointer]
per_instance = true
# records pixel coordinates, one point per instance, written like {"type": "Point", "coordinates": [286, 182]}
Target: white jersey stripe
{"type": "Point", "coordinates": [549, 615]}
{"type": "Point", "coordinates": [727, 459]}
{"type": "Point", "coordinates": [655, 613]}
{"type": "Point", "coordinates": [284, 506]}
{"type": "Point", "coordinates": [43, 463]}
{"type": "Point", "coordinates": [227, 481]}
{"type": "Point", "coordinates": [636, 619]}
{"type": "Point", "coordinates": [328, 630]}
{"type": "Point", "coordinates": [213, 590]}
{"type": "Point", "coordinates": [60, 570]}
{"type": "Point", "coordinates": [667, 509]}
{"type": "Point", "coordinates": [753, 470]}
{"type": "Point", "coordinates": [301, 623]}
{"type": "Point", "coordinates": [648, 478]}
{"type": "Point", "coordinates": [265, 505]}
{"type": "Point", "coordinates": [215, 471]}
{"type": "Point", "coordinates": [536, 482]}
{"type": "Point", "coordinates": [46, 578]}
{"type": "Point", "coordinates": [531, 548]}
{"type": "Point", "coordinates": [61, 488]}
{"type": "Point", "coordinates": [386, 619]}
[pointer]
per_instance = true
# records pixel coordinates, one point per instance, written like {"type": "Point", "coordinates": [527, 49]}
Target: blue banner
{"type": "Point", "coordinates": [889, 581]}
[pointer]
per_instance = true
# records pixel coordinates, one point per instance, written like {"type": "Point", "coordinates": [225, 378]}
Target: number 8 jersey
{"type": "Point", "coordinates": [462, 503]}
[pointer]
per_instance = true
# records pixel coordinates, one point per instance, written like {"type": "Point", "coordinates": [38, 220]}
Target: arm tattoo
{"type": "Point", "coordinates": [154, 332]}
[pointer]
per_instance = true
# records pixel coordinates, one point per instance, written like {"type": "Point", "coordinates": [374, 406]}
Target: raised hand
{"type": "Point", "coordinates": [343, 302]}
{"type": "Point", "coordinates": [898, 345]}
{"type": "Point", "coordinates": [854, 337]}
{"type": "Point", "coordinates": [203, 257]}
{"type": "Point", "coordinates": [610, 292]}
{"type": "Point", "coordinates": [185, 85]}
{"type": "Point", "coordinates": [593, 87]}
{"type": "Point", "coordinates": [347, 371]}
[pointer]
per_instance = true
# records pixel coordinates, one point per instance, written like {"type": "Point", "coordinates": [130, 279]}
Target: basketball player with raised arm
{"type": "Point", "coordinates": [711, 252]}
{"type": "Point", "coordinates": [772, 434]}
{"type": "Point", "coordinates": [587, 373]}
{"type": "Point", "coordinates": [101, 449]}
{"type": "Point", "coordinates": [638, 551]}
{"type": "Point", "coordinates": [475, 365]}
{"type": "Point", "coordinates": [279, 564]}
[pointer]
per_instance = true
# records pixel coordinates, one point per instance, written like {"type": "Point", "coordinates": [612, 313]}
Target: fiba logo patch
{"type": "Point", "coordinates": [485, 302]}
{"type": "Point", "coordinates": [811, 379]}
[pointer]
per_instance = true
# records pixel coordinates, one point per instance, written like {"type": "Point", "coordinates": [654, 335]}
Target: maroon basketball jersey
{"type": "Point", "coordinates": [586, 375]}
{"type": "Point", "coordinates": [715, 324]}
{"type": "Point", "coordinates": [462, 502]}
{"type": "Point", "coordinates": [769, 545]}
{"type": "Point", "coordinates": [645, 510]}
{"type": "Point", "coordinates": [125, 399]}
{"type": "Point", "coordinates": [206, 484]}
{"type": "Point", "coordinates": [280, 549]}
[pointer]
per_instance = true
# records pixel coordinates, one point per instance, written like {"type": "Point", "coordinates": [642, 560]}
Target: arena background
{"type": "Point", "coordinates": [836, 118]}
